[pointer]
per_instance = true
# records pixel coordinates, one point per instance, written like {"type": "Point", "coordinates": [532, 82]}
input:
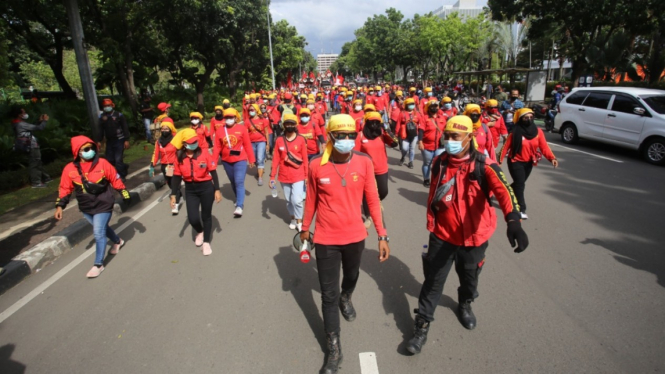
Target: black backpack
{"type": "Point", "coordinates": [478, 175]}
{"type": "Point", "coordinates": [411, 128]}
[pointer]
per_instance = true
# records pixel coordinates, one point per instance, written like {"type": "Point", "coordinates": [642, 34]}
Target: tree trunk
{"type": "Point", "coordinates": [200, 85]}
{"type": "Point", "coordinates": [56, 67]}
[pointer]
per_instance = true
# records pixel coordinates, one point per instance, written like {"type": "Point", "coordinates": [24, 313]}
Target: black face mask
{"type": "Point", "coordinates": [513, 98]}
{"type": "Point", "coordinates": [166, 134]}
{"type": "Point", "coordinates": [226, 106]}
{"type": "Point", "coordinates": [289, 129]}
{"type": "Point", "coordinates": [219, 117]}
{"type": "Point", "coordinates": [433, 110]}
{"type": "Point", "coordinates": [474, 117]}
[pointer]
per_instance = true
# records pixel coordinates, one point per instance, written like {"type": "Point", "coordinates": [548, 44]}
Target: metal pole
{"type": "Point", "coordinates": [272, 66]}
{"type": "Point", "coordinates": [84, 65]}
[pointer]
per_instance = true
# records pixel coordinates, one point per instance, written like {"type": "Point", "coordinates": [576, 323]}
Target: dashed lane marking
{"type": "Point", "coordinates": [368, 363]}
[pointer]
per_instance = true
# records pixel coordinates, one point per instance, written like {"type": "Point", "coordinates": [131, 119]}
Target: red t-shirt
{"type": "Point", "coordinates": [238, 138]}
{"type": "Point", "coordinates": [287, 173]}
{"type": "Point", "coordinates": [376, 149]}
{"type": "Point", "coordinates": [196, 169]}
{"type": "Point", "coordinates": [311, 133]}
{"type": "Point", "coordinates": [318, 121]}
{"type": "Point", "coordinates": [257, 129]}
{"type": "Point", "coordinates": [431, 136]}
{"type": "Point", "coordinates": [337, 207]}
{"type": "Point", "coordinates": [530, 149]}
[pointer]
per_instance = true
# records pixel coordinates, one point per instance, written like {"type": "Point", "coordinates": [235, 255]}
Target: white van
{"type": "Point", "coordinates": [625, 116]}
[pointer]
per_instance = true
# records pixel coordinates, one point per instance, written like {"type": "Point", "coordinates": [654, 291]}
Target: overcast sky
{"type": "Point", "coordinates": [327, 25]}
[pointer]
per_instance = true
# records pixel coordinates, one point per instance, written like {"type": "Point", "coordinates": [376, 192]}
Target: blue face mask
{"type": "Point", "coordinates": [453, 147]}
{"type": "Point", "coordinates": [447, 106]}
{"type": "Point", "coordinates": [344, 146]}
{"type": "Point", "coordinates": [89, 155]}
{"type": "Point", "coordinates": [304, 119]}
{"type": "Point", "coordinates": [192, 147]}
{"type": "Point", "coordinates": [410, 107]}
{"type": "Point", "coordinates": [430, 94]}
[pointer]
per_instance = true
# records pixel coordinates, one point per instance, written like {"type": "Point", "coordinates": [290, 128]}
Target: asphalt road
{"type": "Point", "coordinates": [587, 296]}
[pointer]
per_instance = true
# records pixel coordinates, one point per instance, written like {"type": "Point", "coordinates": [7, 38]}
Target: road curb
{"type": "Point", "coordinates": [49, 250]}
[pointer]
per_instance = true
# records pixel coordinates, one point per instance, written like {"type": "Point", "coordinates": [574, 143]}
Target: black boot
{"type": "Point", "coordinates": [426, 183]}
{"type": "Point", "coordinates": [419, 335]}
{"type": "Point", "coordinates": [410, 165]}
{"type": "Point", "coordinates": [401, 161]}
{"type": "Point", "coordinates": [466, 315]}
{"type": "Point", "coordinates": [345, 305]}
{"type": "Point", "coordinates": [335, 356]}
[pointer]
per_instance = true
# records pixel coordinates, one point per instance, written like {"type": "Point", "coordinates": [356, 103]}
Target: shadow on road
{"type": "Point", "coordinates": [406, 176]}
{"type": "Point", "coordinates": [418, 197]}
{"type": "Point", "coordinates": [395, 281]}
{"type": "Point", "coordinates": [14, 244]}
{"type": "Point", "coordinates": [8, 365]}
{"type": "Point", "coordinates": [277, 207]}
{"type": "Point", "coordinates": [301, 279]}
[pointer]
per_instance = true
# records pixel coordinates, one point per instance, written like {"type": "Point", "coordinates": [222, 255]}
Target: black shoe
{"type": "Point", "coordinates": [401, 161]}
{"type": "Point", "coordinates": [47, 180]}
{"type": "Point", "coordinates": [345, 305]}
{"type": "Point", "coordinates": [426, 183]}
{"type": "Point", "coordinates": [335, 356]}
{"type": "Point", "coordinates": [466, 316]}
{"type": "Point", "coordinates": [410, 165]}
{"type": "Point", "coordinates": [420, 330]}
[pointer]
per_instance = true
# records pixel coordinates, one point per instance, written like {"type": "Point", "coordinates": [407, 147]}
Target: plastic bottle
{"type": "Point", "coordinates": [273, 191]}
{"type": "Point", "coordinates": [424, 254]}
{"type": "Point", "coordinates": [304, 253]}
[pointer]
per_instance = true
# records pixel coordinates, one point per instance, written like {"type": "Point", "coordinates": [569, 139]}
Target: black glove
{"type": "Point", "coordinates": [517, 234]}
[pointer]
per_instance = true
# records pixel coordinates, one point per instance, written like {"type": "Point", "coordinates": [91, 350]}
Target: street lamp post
{"type": "Point", "coordinates": [272, 66]}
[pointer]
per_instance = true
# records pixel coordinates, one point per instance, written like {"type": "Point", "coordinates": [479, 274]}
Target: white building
{"type": "Point", "coordinates": [464, 8]}
{"type": "Point", "coordinates": [325, 60]}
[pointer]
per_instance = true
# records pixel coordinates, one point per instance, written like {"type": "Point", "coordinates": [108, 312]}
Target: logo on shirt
{"type": "Point", "coordinates": [324, 180]}
{"type": "Point", "coordinates": [354, 176]}
{"type": "Point", "coordinates": [230, 138]}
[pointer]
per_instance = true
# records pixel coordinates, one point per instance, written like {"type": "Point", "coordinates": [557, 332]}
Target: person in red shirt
{"type": "Point", "coordinates": [217, 121]}
{"type": "Point", "coordinates": [232, 143]}
{"type": "Point", "coordinates": [166, 156]}
{"type": "Point", "coordinates": [321, 105]}
{"type": "Point", "coordinates": [198, 169]}
{"type": "Point", "coordinates": [357, 110]}
{"type": "Point", "coordinates": [414, 95]}
{"type": "Point", "coordinates": [428, 94]}
{"type": "Point", "coordinates": [447, 107]}
{"type": "Point", "coordinates": [525, 146]}
{"type": "Point", "coordinates": [290, 165]}
{"type": "Point", "coordinates": [407, 130]}
{"type": "Point", "coordinates": [430, 136]}
{"type": "Point", "coordinates": [317, 120]}
{"type": "Point", "coordinates": [337, 182]}
{"type": "Point", "coordinates": [493, 119]}
{"type": "Point", "coordinates": [461, 221]}
{"type": "Point", "coordinates": [196, 120]}
{"type": "Point", "coordinates": [395, 109]}
{"type": "Point", "coordinates": [310, 132]}
{"type": "Point", "coordinates": [372, 140]}
{"type": "Point", "coordinates": [257, 127]}
{"type": "Point", "coordinates": [482, 135]}
{"type": "Point", "coordinates": [92, 179]}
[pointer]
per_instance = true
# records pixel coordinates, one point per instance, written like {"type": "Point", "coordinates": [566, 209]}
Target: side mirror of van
{"type": "Point", "coordinates": [639, 111]}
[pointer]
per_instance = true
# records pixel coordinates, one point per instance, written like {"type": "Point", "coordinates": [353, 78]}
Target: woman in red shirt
{"type": "Point", "coordinates": [199, 171]}
{"type": "Point", "coordinates": [258, 135]}
{"type": "Point", "coordinates": [524, 148]}
{"type": "Point", "coordinates": [430, 137]}
{"type": "Point", "coordinates": [232, 142]}
{"type": "Point", "coordinates": [407, 130]}
{"type": "Point", "coordinates": [493, 119]}
{"type": "Point", "coordinates": [482, 135]}
{"type": "Point", "coordinates": [337, 182]}
{"type": "Point", "coordinates": [317, 119]}
{"type": "Point", "coordinates": [290, 159]}
{"type": "Point", "coordinates": [310, 132]}
{"type": "Point", "coordinates": [165, 155]}
{"type": "Point", "coordinates": [196, 120]}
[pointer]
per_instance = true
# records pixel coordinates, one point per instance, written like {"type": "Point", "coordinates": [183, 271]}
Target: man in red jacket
{"type": "Point", "coordinates": [461, 220]}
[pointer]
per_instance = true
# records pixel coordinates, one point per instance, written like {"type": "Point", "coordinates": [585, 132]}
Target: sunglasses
{"type": "Point", "coordinates": [86, 149]}
{"type": "Point", "coordinates": [344, 135]}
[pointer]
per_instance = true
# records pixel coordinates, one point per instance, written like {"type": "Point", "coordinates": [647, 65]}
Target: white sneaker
{"type": "Point", "coordinates": [175, 210]}
{"type": "Point", "coordinates": [293, 224]}
{"type": "Point", "coordinates": [524, 216]}
{"type": "Point", "coordinates": [238, 212]}
{"type": "Point", "coordinates": [299, 227]}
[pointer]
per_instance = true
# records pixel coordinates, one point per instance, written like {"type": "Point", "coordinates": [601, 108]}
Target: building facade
{"type": "Point", "coordinates": [324, 61]}
{"type": "Point", "coordinates": [464, 8]}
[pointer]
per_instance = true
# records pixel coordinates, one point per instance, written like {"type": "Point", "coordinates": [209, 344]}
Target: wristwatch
{"type": "Point", "coordinates": [386, 238]}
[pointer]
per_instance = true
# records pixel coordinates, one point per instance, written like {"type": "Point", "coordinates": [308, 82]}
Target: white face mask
{"type": "Point", "coordinates": [230, 121]}
{"type": "Point", "coordinates": [25, 116]}
{"type": "Point", "coordinates": [310, 107]}
{"type": "Point", "coordinates": [358, 108]}
{"type": "Point", "coordinates": [108, 109]}
{"type": "Point", "coordinates": [195, 122]}
{"type": "Point", "coordinates": [252, 113]}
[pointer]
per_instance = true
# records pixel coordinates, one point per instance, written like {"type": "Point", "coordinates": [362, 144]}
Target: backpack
{"type": "Point", "coordinates": [478, 175]}
{"type": "Point", "coordinates": [411, 128]}
{"type": "Point", "coordinates": [288, 109]}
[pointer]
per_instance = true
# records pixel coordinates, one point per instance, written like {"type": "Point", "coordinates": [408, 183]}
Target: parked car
{"type": "Point", "coordinates": [624, 116]}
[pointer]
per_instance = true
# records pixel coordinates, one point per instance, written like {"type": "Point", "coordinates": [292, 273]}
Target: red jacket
{"type": "Point", "coordinates": [311, 133]}
{"type": "Point", "coordinates": [196, 168]}
{"type": "Point", "coordinates": [450, 112]}
{"type": "Point", "coordinates": [287, 173]}
{"type": "Point", "coordinates": [431, 129]}
{"type": "Point", "coordinates": [96, 171]}
{"type": "Point", "coordinates": [338, 216]}
{"type": "Point", "coordinates": [485, 142]}
{"type": "Point", "coordinates": [404, 118]}
{"type": "Point", "coordinates": [395, 110]}
{"type": "Point", "coordinates": [318, 121]}
{"type": "Point", "coordinates": [203, 134]}
{"type": "Point", "coordinates": [164, 155]}
{"type": "Point", "coordinates": [376, 150]}
{"type": "Point", "coordinates": [238, 137]}
{"type": "Point", "coordinates": [499, 129]}
{"type": "Point", "coordinates": [465, 217]}
{"type": "Point", "coordinates": [530, 149]}
{"type": "Point", "coordinates": [256, 127]}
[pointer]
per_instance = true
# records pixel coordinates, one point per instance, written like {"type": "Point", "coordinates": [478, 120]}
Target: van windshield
{"type": "Point", "coordinates": [656, 103]}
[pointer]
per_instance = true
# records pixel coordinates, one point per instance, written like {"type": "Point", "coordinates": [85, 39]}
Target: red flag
{"type": "Point", "coordinates": [304, 76]}
{"type": "Point", "coordinates": [311, 75]}
{"type": "Point", "coordinates": [289, 81]}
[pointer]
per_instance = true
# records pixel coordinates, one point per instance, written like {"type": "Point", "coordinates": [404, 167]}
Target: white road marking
{"type": "Point", "coordinates": [586, 153]}
{"type": "Point", "coordinates": [368, 363]}
{"type": "Point", "coordinates": [137, 172]}
{"type": "Point", "coordinates": [34, 293]}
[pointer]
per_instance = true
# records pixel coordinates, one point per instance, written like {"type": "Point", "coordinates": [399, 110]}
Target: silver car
{"type": "Point", "coordinates": [625, 116]}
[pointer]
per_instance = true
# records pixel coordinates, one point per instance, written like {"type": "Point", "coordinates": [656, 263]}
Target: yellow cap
{"type": "Point", "coordinates": [272, 96]}
{"type": "Point", "coordinates": [231, 112]}
{"type": "Point", "coordinates": [226, 101]}
{"type": "Point", "coordinates": [459, 124]}
{"type": "Point", "coordinates": [520, 112]}
{"type": "Point", "coordinates": [412, 89]}
{"type": "Point", "coordinates": [169, 125]}
{"type": "Point", "coordinates": [310, 96]}
{"type": "Point", "coordinates": [409, 101]}
{"type": "Point", "coordinates": [369, 108]}
{"type": "Point", "coordinates": [428, 89]}
{"type": "Point", "coordinates": [471, 108]}
{"type": "Point", "coordinates": [290, 118]}
{"type": "Point", "coordinates": [196, 114]}
{"type": "Point", "coordinates": [446, 100]}
{"type": "Point", "coordinates": [311, 101]}
{"type": "Point", "coordinates": [305, 111]}
{"type": "Point", "coordinates": [373, 116]}
{"type": "Point", "coordinates": [219, 107]}
{"type": "Point", "coordinates": [188, 135]}
{"type": "Point", "coordinates": [491, 102]}
{"type": "Point", "coordinates": [399, 93]}
{"type": "Point", "coordinates": [378, 88]}
{"type": "Point", "coordinates": [357, 101]}
{"type": "Point", "coordinates": [431, 102]}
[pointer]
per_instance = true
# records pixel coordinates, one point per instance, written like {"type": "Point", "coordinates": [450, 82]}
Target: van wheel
{"type": "Point", "coordinates": [653, 151]}
{"type": "Point", "coordinates": [569, 133]}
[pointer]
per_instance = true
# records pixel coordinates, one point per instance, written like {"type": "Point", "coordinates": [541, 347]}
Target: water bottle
{"type": "Point", "coordinates": [273, 190]}
{"type": "Point", "coordinates": [424, 254]}
{"type": "Point", "coordinates": [304, 253]}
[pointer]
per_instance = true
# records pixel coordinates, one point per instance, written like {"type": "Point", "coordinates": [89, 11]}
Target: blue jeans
{"type": "Point", "coordinates": [428, 156]}
{"type": "Point", "coordinates": [260, 154]}
{"type": "Point", "coordinates": [147, 122]}
{"type": "Point", "coordinates": [101, 230]}
{"type": "Point", "coordinates": [295, 203]}
{"type": "Point", "coordinates": [236, 172]}
{"type": "Point", "coordinates": [409, 147]}
{"type": "Point", "coordinates": [115, 150]}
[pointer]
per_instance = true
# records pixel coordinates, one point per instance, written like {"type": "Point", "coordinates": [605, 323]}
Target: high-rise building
{"type": "Point", "coordinates": [464, 8]}
{"type": "Point", "coordinates": [325, 60]}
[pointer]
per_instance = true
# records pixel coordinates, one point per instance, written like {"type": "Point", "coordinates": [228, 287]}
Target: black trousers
{"type": "Point", "coordinates": [382, 185]}
{"type": "Point", "coordinates": [520, 172]}
{"type": "Point", "coordinates": [437, 264]}
{"type": "Point", "coordinates": [168, 184]}
{"type": "Point", "coordinates": [328, 260]}
{"type": "Point", "coordinates": [200, 195]}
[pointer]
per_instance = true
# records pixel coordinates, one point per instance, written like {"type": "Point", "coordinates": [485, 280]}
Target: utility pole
{"type": "Point", "coordinates": [272, 66]}
{"type": "Point", "coordinates": [84, 65]}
